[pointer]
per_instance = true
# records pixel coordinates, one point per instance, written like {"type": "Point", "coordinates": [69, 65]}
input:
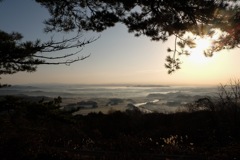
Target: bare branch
{"type": "Point", "coordinates": [60, 57]}
{"type": "Point", "coordinates": [37, 62]}
{"type": "Point", "coordinates": [52, 46]}
{"type": "Point", "coordinates": [17, 56]}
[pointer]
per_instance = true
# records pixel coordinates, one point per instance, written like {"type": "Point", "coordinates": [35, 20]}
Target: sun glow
{"type": "Point", "coordinates": [204, 44]}
{"type": "Point", "coordinates": [197, 53]}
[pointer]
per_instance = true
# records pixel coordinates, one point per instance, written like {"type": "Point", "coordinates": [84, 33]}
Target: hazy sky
{"type": "Point", "coordinates": [117, 57]}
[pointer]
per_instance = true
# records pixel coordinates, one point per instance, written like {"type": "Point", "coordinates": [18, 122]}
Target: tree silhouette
{"type": "Point", "coordinates": [157, 19]}
{"type": "Point", "coordinates": [22, 56]}
{"type": "Point", "coordinates": [18, 56]}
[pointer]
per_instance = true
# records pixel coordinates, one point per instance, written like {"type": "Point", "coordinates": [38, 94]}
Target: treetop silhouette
{"type": "Point", "coordinates": [18, 55]}
{"type": "Point", "coordinates": [157, 19]}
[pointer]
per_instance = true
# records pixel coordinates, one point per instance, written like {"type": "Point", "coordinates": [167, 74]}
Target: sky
{"type": "Point", "coordinates": [117, 57]}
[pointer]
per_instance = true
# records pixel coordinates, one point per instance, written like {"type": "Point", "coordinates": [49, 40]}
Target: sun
{"type": "Point", "coordinates": [197, 53]}
{"type": "Point", "coordinates": [203, 44]}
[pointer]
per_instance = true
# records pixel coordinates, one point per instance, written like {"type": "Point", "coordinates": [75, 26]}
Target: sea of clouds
{"type": "Point", "coordinates": [147, 98]}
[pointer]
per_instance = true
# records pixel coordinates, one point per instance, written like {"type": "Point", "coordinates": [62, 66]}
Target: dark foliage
{"type": "Point", "coordinates": [39, 130]}
{"type": "Point", "coordinates": [156, 19]}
